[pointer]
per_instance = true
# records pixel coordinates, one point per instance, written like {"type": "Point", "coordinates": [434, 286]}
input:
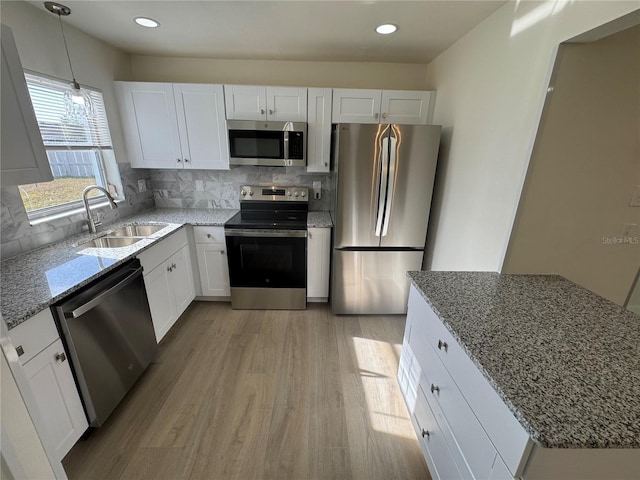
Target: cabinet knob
{"type": "Point", "coordinates": [270, 112]}
{"type": "Point", "coordinates": [262, 111]}
{"type": "Point", "coordinates": [435, 388]}
{"type": "Point", "coordinates": [61, 357]}
{"type": "Point", "coordinates": [186, 160]}
{"type": "Point", "coordinates": [178, 160]}
{"type": "Point", "coordinates": [221, 252]}
{"type": "Point", "coordinates": [384, 115]}
{"type": "Point", "coordinates": [20, 350]}
{"type": "Point", "coordinates": [442, 345]}
{"type": "Point", "coordinates": [173, 266]}
{"type": "Point", "coordinates": [376, 115]}
{"type": "Point", "coordinates": [169, 269]}
{"type": "Point", "coordinates": [208, 235]}
{"type": "Point", "coordinates": [425, 433]}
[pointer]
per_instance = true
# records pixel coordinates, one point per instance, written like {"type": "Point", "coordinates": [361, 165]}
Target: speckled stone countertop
{"type": "Point", "coordinates": [564, 360]}
{"type": "Point", "coordinates": [36, 280]}
{"type": "Point", "coordinates": [319, 219]}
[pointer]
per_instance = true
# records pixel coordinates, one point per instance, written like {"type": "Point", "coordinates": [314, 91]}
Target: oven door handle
{"type": "Point", "coordinates": [242, 232]}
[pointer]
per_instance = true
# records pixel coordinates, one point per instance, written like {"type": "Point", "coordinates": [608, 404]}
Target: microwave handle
{"type": "Point", "coordinates": [286, 146]}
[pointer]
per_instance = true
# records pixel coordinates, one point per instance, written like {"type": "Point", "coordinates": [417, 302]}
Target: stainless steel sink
{"type": "Point", "coordinates": [112, 242]}
{"type": "Point", "coordinates": [136, 230]}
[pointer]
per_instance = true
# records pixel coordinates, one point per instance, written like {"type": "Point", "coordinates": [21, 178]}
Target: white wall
{"type": "Point", "coordinates": [491, 86]}
{"type": "Point", "coordinates": [584, 168]}
{"type": "Point", "coordinates": [270, 72]}
{"type": "Point", "coordinates": [96, 64]}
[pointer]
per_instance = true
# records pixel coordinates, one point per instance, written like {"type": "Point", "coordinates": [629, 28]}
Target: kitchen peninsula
{"type": "Point", "coordinates": [525, 376]}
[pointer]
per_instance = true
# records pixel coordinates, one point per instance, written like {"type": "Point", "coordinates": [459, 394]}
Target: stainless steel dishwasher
{"type": "Point", "coordinates": [109, 336]}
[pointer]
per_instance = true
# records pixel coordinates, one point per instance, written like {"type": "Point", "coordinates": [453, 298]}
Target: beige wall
{"type": "Point", "coordinates": [585, 165]}
{"type": "Point", "coordinates": [270, 72]}
{"type": "Point", "coordinates": [96, 64]}
{"type": "Point", "coordinates": [491, 86]}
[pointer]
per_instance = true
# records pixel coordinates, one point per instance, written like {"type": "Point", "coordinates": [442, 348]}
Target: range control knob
{"type": "Point", "coordinates": [243, 193]}
{"type": "Point", "coordinates": [251, 193]}
{"type": "Point", "coordinates": [289, 193]}
{"type": "Point", "coordinates": [303, 194]}
{"type": "Point", "coordinates": [296, 194]}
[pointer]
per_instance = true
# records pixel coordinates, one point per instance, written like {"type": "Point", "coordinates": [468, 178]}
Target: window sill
{"type": "Point", "coordinates": [68, 213]}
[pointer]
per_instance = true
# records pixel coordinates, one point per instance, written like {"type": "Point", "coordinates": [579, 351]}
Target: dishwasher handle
{"type": "Point", "coordinates": [100, 297]}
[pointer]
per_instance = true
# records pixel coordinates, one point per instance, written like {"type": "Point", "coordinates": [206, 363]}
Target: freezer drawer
{"type": "Point", "coordinates": [372, 282]}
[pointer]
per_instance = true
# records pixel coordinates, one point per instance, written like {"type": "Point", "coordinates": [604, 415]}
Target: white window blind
{"type": "Point", "coordinates": [56, 129]}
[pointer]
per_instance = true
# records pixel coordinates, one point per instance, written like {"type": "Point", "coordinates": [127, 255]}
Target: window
{"type": "Point", "coordinates": [80, 151]}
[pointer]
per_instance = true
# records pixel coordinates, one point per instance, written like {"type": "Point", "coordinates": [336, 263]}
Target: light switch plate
{"type": "Point", "coordinates": [635, 199]}
{"type": "Point", "coordinates": [142, 185]}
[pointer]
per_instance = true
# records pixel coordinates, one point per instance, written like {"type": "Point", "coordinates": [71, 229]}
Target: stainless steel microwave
{"type": "Point", "coordinates": [271, 144]}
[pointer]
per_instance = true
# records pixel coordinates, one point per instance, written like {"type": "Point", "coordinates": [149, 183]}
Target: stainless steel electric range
{"type": "Point", "coordinates": [267, 248]}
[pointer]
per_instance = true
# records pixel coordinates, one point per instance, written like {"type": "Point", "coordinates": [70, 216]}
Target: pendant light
{"type": "Point", "coordinates": [77, 102]}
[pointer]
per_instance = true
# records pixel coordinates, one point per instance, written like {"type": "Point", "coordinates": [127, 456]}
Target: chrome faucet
{"type": "Point", "coordinates": [93, 224]}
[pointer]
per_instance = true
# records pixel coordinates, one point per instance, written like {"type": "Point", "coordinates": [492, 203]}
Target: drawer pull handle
{"type": "Point", "coordinates": [221, 252]}
{"type": "Point", "coordinates": [208, 235]}
{"type": "Point", "coordinates": [435, 388]}
{"type": "Point", "coordinates": [61, 357]}
{"type": "Point", "coordinates": [425, 433]}
{"type": "Point", "coordinates": [442, 345]}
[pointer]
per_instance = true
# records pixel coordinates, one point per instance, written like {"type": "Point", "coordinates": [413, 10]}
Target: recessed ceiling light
{"type": "Point", "coordinates": [386, 29]}
{"type": "Point", "coordinates": [146, 22]}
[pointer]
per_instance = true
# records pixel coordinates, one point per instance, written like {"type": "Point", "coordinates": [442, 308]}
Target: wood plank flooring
{"type": "Point", "coordinates": [262, 395]}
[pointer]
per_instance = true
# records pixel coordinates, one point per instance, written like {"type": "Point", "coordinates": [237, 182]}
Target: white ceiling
{"type": "Point", "coordinates": [282, 30]}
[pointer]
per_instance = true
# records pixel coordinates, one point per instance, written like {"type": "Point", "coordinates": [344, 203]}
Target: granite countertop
{"type": "Point", "coordinates": [36, 280]}
{"type": "Point", "coordinates": [564, 360]}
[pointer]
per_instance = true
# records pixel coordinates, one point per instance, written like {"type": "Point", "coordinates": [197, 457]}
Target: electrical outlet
{"type": "Point", "coordinates": [142, 185]}
{"type": "Point", "coordinates": [317, 190]}
{"type": "Point", "coordinates": [635, 199]}
{"type": "Point", "coordinates": [199, 186]}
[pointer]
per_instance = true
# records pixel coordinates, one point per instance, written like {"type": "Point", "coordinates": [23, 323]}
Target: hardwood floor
{"type": "Point", "coordinates": [262, 395]}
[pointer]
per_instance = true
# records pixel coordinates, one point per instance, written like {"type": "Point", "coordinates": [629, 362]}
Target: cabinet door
{"type": "Point", "coordinates": [405, 107]}
{"type": "Point", "coordinates": [150, 122]}
{"type": "Point", "coordinates": [181, 280]}
{"type": "Point", "coordinates": [245, 102]}
{"type": "Point", "coordinates": [24, 159]}
{"type": "Point", "coordinates": [202, 126]}
{"type": "Point", "coordinates": [161, 302]}
{"type": "Point", "coordinates": [356, 106]}
{"type": "Point", "coordinates": [286, 104]}
{"type": "Point", "coordinates": [214, 269]}
{"type": "Point", "coordinates": [57, 397]}
{"type": "Point", "coordinates": [319, 129]}
{"type": "Point", "coordinates": [318, 252]}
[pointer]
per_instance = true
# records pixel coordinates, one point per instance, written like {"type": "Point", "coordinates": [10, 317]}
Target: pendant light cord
{"type": "Point", "coordinates": [64, 39]}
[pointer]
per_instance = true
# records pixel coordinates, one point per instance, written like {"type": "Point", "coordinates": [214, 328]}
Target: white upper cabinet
{"type": "Point", "coordinates": [247, 102]}
{"type": "Point", "coordinates": [381, 106]}
{"type": "Point", "coordinates": [24, 158]}
{"type": "Point", "coordinates": [202, 126]}
{"type": "Point", "coordinates": [174, 125]}
{"type": "Point", "coordinates": [319, 130]}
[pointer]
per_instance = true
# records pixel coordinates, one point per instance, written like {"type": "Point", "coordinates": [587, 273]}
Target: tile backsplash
{"type": "Point", "coordinates": [221, 188]}
{"type": "Point", "coordinates": [162, 188]}
{"type": "Point", "coordinates": [17, 235]}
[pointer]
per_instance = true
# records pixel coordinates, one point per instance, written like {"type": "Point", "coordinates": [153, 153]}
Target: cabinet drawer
{"type": "Point", "coordinates": [158, 253]}
{"type": "Point", "coordinates": [504, 430]}
{"type": "Point", "coordinates": [209, 234]}
{"type": "Point", "coordinates": [466, 437]}
{"type": "Point", "coordinates": [34, 335]}
{"type": "Point", "coordinates": [432, 442]}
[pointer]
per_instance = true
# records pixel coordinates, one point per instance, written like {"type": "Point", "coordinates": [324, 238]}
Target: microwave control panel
{"type": "Point", "coordinates": [296, 145]}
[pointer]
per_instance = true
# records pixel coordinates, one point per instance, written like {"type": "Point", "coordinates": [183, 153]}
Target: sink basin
{"type": "Point", "coordinates": [136, 230]}
{"type": "Point", "coordinates": [111, 242]}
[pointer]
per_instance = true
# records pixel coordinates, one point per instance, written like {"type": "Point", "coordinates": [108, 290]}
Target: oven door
{"type": "Point", "coordinates": [267, 268]}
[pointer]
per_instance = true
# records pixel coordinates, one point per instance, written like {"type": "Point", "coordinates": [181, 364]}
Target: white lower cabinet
{"type": "Point", "coordinates": [318, 261]}
{"type": "Point", "coordinates": [168, 280]}
{"type": "Point", "coordinates": [211, 250]}
{"type": "Point", "coordinates": [466, 430]}
{"type": "Point", "coordinates": [47, 368]}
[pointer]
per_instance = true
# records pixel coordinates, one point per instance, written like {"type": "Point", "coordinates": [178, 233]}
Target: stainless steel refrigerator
{"type": "Point", "coordinates": [385, 180]}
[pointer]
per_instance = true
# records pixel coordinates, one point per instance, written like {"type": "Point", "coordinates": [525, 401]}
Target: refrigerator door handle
{"type": "Point", "coordinates": [382, 194]}
{"type": "Point", "coordinates": [393, 164]}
